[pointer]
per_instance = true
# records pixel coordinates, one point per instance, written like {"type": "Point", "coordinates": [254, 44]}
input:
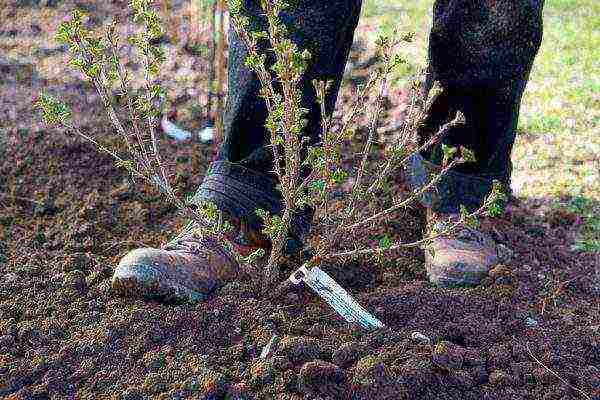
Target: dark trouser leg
{"type": "Point", "coordinates": [240, 181]}
{"type": "Point", "coordinates": [481, 52]}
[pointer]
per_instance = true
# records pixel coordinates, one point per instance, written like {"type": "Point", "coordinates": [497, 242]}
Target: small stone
{"type": "Point", "coordinates": [321, 378]}
{"type": "Point", "coordinates": [348, 354]}
{"type": "Point", "coordinates": [419, 337]}
{"type": "Point", "coordinates": [206, 135]}
{"type": "Point", "coordinates": [530, 322]}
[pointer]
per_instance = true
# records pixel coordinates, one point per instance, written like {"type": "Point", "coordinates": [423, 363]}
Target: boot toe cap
{"type": "Point", "coordinates": [136, 271]}
{"type": "Point", "coordinates": [155, 274]}
{"type": "Point", "coordinates": [454, 268]}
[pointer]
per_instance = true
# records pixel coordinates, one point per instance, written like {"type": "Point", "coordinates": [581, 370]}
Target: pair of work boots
{"type": "Point", "coordinates": [190, 267]}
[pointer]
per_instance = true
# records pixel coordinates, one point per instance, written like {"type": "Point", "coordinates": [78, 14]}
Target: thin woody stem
{"type": "Point", "coordinates": [122, 77]}
{"type": "Point", "coordinates": [407, 201]}
{"type": "Point", "coordinates": [358, 106]}
{"type": "Point", "coordinates": [396, 246]}
{"type": "Point", "coordinates": [367, 147]}
{"type": "Point", "coordinates": [390, 166]}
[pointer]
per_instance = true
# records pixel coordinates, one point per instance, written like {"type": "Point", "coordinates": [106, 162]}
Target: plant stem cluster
{"type": "Point", "coordinates": [309, 174]}
{"type": "Point", "coordinates": [336, 220]}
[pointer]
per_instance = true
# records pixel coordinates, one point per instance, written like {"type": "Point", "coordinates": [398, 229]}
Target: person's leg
{"type": "Point", "coordinates": [240, 181]}
{"type": "Point", "coordinates": [481, 52]}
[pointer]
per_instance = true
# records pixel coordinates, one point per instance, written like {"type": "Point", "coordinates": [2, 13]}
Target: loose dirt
{"type": "Point", "coordinates": [67, 215]}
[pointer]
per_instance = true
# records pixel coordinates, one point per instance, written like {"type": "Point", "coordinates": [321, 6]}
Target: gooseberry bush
{"type": "Point", "coordinates": [309, 175]}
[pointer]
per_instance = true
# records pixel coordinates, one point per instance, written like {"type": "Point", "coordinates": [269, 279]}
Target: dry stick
{"type": "Point", "coordinates": [358, 107]}
{"type": "Point", "coordinates": [151, 125]}
{"type": "Point", "coordinates": [101, 87]}
{"type": "Point", "coordinates": [367, 147]}
{"type": "Point", "coordinates": [326, 143]}
{"type": "Point", "coordinates": [267, 86]}
{"type": "Point", "coordinates": [354, 113]}
{"type": "Point", "coordinates": [194, 35]}
{"type": "Point", "coordinates": [220, 73]}
{"type": "Point", "coordinates": [211, 59]}
{"type": "Point", "coordinates": [408, 129]}
{"type": "Point", "coordinates": [163, 186]}
{"type": "Point", "coordinates": [345, 230]}
{"type": "Point", "coordinates": [292, 169]}
{"type": "Point", "coordinates": [289, 176]}
{"type": "Point", "coordinates": [584, 394]}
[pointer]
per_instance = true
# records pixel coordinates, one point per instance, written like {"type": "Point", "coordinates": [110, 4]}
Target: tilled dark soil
{"type": "Point", "coordinates": [67, 214]}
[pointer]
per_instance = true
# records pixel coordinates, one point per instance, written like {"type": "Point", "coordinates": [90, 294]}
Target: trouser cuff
{"type": "Point", "coordinates": [454, 188]}
{"type": "Point", "coordinates": [240, 191]}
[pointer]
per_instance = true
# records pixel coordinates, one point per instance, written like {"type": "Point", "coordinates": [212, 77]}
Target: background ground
{"type": "Point", "coordinates": [67, 214]}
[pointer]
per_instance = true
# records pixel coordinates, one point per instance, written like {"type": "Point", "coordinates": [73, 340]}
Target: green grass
{"type": "Point", "coordinates": [557, 152]}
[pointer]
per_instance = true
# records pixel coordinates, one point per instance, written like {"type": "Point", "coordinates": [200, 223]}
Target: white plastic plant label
{"type": "Point", "coordinates": [336, 296]}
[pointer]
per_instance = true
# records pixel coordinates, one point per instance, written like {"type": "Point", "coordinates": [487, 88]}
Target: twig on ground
{"type": "Point", "coordinates": [584, 394]}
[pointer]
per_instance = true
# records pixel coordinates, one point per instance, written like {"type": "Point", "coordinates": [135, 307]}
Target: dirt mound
{"type": "Point", "coordinates": [63, 334]}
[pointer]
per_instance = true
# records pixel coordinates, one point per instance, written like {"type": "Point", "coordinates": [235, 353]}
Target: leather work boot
{"type": "Point", "coordinates": [461, 258]}
{"type": "Point", "coordinates": [186, 269]}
